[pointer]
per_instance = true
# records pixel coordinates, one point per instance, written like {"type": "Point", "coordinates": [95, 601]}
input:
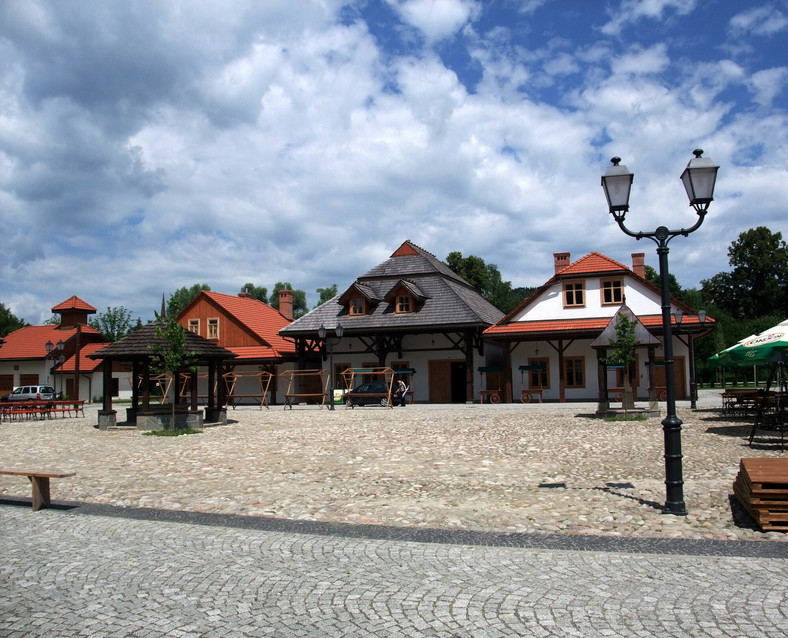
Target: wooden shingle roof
{"type": "Point", "coordinates": [137, 346]}
{"type": "Point", "coordinates": [446, 300]}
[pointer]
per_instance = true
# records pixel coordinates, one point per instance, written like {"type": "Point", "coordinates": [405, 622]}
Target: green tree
{"type": "Point", "coordinates": [326, 294]}
{"type": "Point", "coordinates": [258, 292]}
{"type": "Point", "coordinates": [487, 280]}
{"type": "Point", "coordinates": [653, 276]}
{"type": "Point", "coordinates": [170, 355]}
{"type": "Point", "coordinates": [299, 299]}
{"type": "Point", "coordinates": [760, 273]}
{"type": "Point", "coordinates": [624, 352]}
{"type": "Point", "coordinates": [115, 323]}
{"type": "Point", "coordinates": [9, 322]}
{"type": "Point", "coordinates": [183, 296]}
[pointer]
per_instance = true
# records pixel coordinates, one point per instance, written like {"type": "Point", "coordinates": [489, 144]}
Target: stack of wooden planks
{"type": "Point", "coordinates": [762, 488]}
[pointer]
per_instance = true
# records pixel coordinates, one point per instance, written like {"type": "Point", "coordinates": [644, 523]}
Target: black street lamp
{"type": "Point", "coordinates": [338, 331]}
{"type": "Point", "coordinates": [56, 358]}
{"type": "Point", "coordinates": [699, 178]}
{"type": "Point", "coordinates": [691, 342]}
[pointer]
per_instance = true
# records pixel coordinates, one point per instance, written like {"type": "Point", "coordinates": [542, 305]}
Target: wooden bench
{"type": "Point", "coordinates": [40, 481]}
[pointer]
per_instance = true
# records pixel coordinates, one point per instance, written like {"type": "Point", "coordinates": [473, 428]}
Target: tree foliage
{"type": "Point", "coordinates": [758, 284]}
{"type": "Point", "coordinates": [299, 299]}
{"type": "Point", "coordinates": [625, 341]}
{"type": "Point", "coordinates": [183, 296]}
{"type": "Point", "coordinates": [258, 292]}
{"type": "Point", "coordinates": [653, 276]}
{"type": "Point", "coordinates": [115, 323]}
{"type": "Point", "coordinates": [326, 294]}
{"type": "Point", "coordinates": [172, 356]}
{"type": "Point", "coordinates": [9, 322]}
{"type": "Point", "coordinates": [487, 280]}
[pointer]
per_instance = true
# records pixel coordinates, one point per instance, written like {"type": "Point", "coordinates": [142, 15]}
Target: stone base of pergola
{"type": "Point", "coordinates": [162, 418]}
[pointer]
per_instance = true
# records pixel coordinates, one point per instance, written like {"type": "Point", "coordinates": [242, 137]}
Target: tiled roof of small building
{"type": "Point", "coordinates": [86, 364]}
{"type": "Point", "coordinates": [593, 263]}
{"type": "Point", "coordinates": [74, 303]}
{"type": "Point", "coordinates": [30, 342]}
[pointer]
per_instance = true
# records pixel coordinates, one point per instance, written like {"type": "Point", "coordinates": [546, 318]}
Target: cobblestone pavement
{"type": "Point", "coordinates": [505, 468]}
{"type": "Point", "coordinates": [118, 572]}
{"type": "Point", "coordinates": [419, 521]}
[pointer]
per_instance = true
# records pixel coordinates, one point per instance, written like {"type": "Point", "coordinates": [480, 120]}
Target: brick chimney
{"type": "Point", "coordinates": [245, 295]}
{"type": "Point", "coordinates": [561, 261]}
{"type": "Point", "coordinates": [639, 264]}
{"type": "Point", "coordinates": [286, 304]}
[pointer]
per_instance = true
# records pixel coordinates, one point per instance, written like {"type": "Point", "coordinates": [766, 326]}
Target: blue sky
{"type": "Point", "coordinates": [146, 146]}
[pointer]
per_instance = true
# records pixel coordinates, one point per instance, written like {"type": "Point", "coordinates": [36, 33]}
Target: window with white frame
{"type": "Point", "coordinates": [213, 328]}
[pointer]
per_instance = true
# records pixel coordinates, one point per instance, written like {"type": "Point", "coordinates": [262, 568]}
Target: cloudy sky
{"type": "Point", "coordinates": [147, 145]}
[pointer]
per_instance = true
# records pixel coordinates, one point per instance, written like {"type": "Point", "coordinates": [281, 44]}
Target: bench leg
{"type": "Point", "coordinates": [40, 491]}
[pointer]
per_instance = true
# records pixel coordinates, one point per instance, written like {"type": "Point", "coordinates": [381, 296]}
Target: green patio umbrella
{"type": "Point", "coordinates": [755, 350]}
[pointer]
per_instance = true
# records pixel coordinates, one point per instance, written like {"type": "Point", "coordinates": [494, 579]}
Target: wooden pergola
{"type": "Point", "coordinates": [136, 349]}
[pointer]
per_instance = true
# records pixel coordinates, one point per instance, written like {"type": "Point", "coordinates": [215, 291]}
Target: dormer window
{"type": "Point", "coordinates": [357, 306]}
{"type": "Point", "coordinates": [404, 304]}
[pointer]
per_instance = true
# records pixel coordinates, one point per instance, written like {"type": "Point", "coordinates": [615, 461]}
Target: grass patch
{"type": "Point", "coordinates": [626, 417]}
{"type": "Point", "coordinates": [172, 432]}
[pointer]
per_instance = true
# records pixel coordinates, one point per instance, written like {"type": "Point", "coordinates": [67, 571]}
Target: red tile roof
{"type": "Point", "coordinates": [30, 342]}
{"type": "Point", "coordinates": [253, 352]}
{"type": "Point", "coordinates": [85, 364]}
{"type": "Point", "coordinates": [577, 325]}
{"type": "Point", "coordinates": [592, 263]}
{"type": "Point", "coordinates": [260, 318]}
{"type": "Point", "coordinates": [74, 303]}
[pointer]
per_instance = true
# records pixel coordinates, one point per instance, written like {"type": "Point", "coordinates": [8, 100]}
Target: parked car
{"type": "Point", "coordinates": [368, 394]}
{"type": "Point", "coordinates": [31, 393]}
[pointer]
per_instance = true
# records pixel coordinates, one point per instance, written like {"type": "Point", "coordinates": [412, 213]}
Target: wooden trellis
{"type": "Point", "coordinates": [351, 374]}
{"type": "Point", "coordinates": [298, 384]}
{"type": "Point", "coordinates": [185, 378]}
{"type": "Point", "coordinates": [263, 379]}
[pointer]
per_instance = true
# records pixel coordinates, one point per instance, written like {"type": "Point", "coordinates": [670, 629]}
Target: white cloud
{"type": "Point", "coordinates": [766, 85]}
{"type": "Point", "coordinates": [631, 11]}
{"type": "Point", "coordinates": [759, 21]}
{"type": "Point", "coordinates": [436, 19]}
{"type": "Point", "coordinates": [270, 142]}
{"type": "Point", "coordinates": [639, 61]}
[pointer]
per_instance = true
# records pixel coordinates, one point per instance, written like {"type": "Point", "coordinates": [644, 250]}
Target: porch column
{"type": "Point", "coordinates": [507, 373]}
{"type": "Point", "coordinates": [468, 347]}
{"type": "Point", "coordinates": [603, 405]}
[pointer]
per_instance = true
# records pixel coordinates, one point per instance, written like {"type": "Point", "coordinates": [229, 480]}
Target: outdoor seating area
{"type": "Point", "coordinates": [39, 410]}
{"type": "Point", "coordinates": [736, 401]}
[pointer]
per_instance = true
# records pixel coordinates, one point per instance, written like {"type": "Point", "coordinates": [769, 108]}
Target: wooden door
{"type": "Point", "coordinates": [679, 377]}
{"type": "Point", "coordinates": [439, 381]}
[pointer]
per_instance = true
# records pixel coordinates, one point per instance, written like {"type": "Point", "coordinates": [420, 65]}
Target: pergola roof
{"type": "Point", "coordinates": [608, 336]}
{"type": "Point", "coordinates": [137, 346]}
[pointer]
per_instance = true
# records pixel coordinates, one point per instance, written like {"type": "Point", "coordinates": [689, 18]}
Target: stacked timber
{"type": "Point", "coordinates": [762, 488]}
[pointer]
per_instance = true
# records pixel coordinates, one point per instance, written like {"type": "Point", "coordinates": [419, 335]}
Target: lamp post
{"type": "Point", "coordinates": [691, 342]}
{"type": "Point", "coordinates": [699, 178]}
{"type": "Point", "coordinates": [56, 358]}
{"type": "Point", "coordinates": [338, 331]}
